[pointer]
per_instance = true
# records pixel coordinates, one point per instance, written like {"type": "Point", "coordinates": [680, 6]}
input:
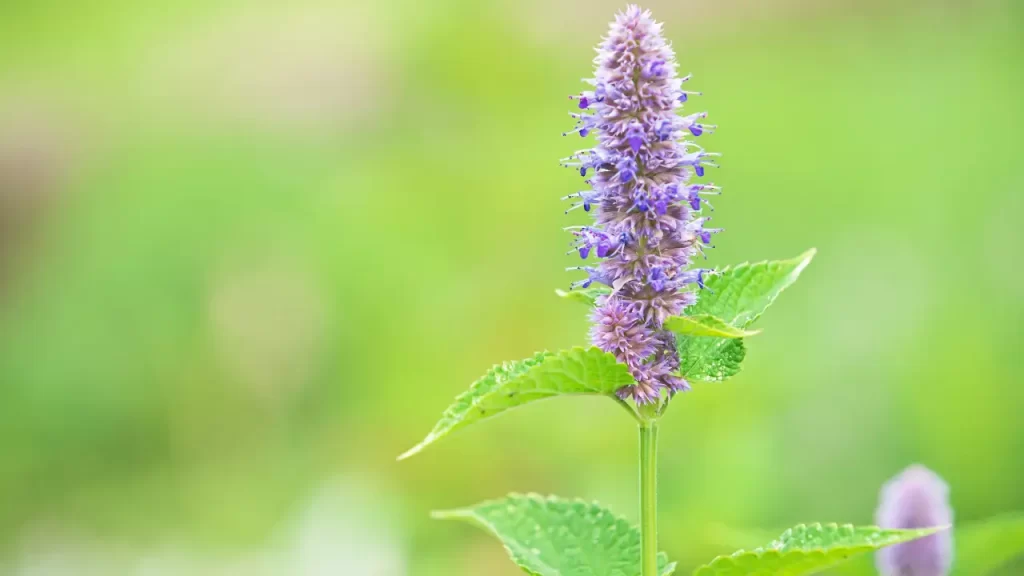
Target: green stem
{"type": "Point", "coordinates": [627, 408]}
{"type": "Point", "coordinates": [649, 498]}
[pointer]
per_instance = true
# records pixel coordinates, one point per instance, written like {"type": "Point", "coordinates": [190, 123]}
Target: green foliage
{"type": "Point", "coordinates": [555, 537]}
{"type": "Point", "coordinates": [737, 295]}
{"type": "Point", "coordinates": [985, 546]}
{"type": "Point", "coordinates": [806, 549]}
{"type": "Point", "coordinates": [586, 296]}
{"type": "Point", "coordinates": [740, 294]}
{"type": "Point", "coordinates": [512, 384]}
{"type": "Point", "coordinates": [710, 359]}
{"type": "Point", "coordinates": [735, 298]}
{"type": "Point", "coordinates": [706, 325]}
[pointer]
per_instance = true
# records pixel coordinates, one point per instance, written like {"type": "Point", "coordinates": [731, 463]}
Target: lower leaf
{"type": "Point", "coordinates": [550, 536]}
{"type": "Point", "coordinates": [807, 549]}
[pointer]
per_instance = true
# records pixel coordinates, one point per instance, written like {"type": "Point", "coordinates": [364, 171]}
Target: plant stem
{"type": "Point", "coordinates": [649, 498]}
{"type": "Point", "coordinates": [627, 408]}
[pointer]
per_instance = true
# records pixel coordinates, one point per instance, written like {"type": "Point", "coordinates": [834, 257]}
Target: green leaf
{"type": "Point", "coordinates": [737, 295]}
{"type": "Point", "coordinates": [983, 547]}
{"type": "Point", "coordinates": [705, 325]}
{"type": "Point", "coordinates": [806, 549]}
{"type": "Point", "coordinates": [586, 296]}
{"type": "Point", "coordinates": [555, 537]}
{"type": "Point", "coordinates": [710, 359]}
{"type": "Point", "coordinates": [740, 294]}
{"type": "Point", "coordinates": [512, 384]}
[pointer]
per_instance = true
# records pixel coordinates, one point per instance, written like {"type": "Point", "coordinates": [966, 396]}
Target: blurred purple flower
{"type": "Point", "coordinates": [916, 498]}
{"type": "Point", "coordinates": [647, 226]}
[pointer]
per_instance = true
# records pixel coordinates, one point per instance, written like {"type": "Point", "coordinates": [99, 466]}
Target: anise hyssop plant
{"type": "Point", "coordinates": [660, 324]}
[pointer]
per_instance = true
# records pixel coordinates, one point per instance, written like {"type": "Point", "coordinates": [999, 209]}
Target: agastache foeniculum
{"type": "Point", "coordinates": [648, 228]}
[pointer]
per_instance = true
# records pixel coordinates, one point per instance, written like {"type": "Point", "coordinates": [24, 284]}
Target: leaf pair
{"type": "Point", "coordinates": [709, 335]}
{"type": "Point", "coordinates": [709, 340]}
{"type": "Point", "coordinates": [555, 537]}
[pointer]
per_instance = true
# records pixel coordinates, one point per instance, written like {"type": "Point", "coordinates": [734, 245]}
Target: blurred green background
{"type": "Point", "coordinates": [249, 252]}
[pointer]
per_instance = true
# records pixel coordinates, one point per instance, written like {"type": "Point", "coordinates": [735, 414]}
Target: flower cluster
{"type": "Point", "coordinates": [916, 498]}
{"type": "Point", "coordinates": [649, 222]}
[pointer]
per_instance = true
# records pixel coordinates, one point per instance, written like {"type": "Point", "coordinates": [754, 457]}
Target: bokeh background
{"type": "Point", "coordinates": [250, 251]}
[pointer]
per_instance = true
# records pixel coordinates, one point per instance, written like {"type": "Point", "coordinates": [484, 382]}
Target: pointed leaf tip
{"type": "Point", "coordinates": [740, 294]}
{"type": "Point", "coordinates": [411, 451]}
{"type": "Point", "coordinates": [736, 295]}
{"type": "Point", "coordinates": [808, 549]}
{"type": "Point", "coordinates": [512, 384]}
{"type": "Point", "coordinates": [706, 325]}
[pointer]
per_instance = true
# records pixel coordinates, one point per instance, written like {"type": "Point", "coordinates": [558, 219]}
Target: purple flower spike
{"type": "Point", "coordinates": [647, 228]}
{"type": "Point", "coordinates": [916, 498]}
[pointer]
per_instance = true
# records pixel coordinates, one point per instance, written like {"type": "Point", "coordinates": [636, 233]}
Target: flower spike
{"type": "Point", "coordinates": [648, 226]}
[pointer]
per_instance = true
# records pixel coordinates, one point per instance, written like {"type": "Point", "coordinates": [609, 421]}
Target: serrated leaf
{"type": "Point", "coordinates": [740, 294]}
{"type": "Point", "coordinates": [806, 549]}
{"type": "Point", "coordinates": [512, 384]}
{"type": "Point", "coordinates": [710, 359]}
{"type": "Point", "coordinates": [737, 295]}
{"type": "Point", "coordinates": [586, 296]}
{"type": "Point", "coordinates": [983, 547]}
{"type": "Point", "coordinates": [706, 325]}
{"type": "Point", "coordinates": [557, 537]}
